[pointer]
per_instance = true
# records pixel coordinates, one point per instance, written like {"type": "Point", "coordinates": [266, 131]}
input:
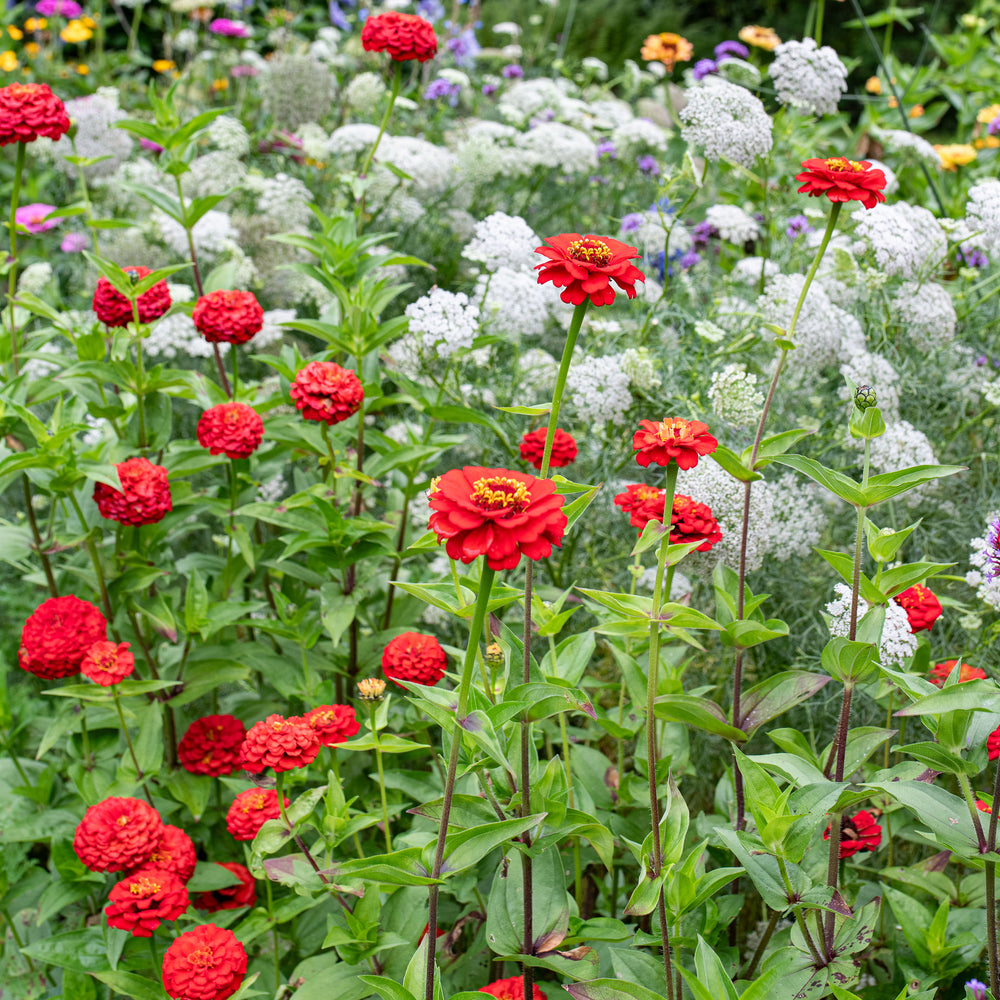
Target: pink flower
{"type": "Point", "coordinates": [32, 217]}
{"type": "Point", "coordinates": [232, 29]}
{"type": "Point", "coordinates": [73, 243]}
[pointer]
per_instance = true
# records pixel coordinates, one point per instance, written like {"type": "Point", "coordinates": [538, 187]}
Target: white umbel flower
{"type": "Point", "coordinates": [726, 122]}
{"type": "Point", "coordinates": [503, 240]}
{"type": "Point", "coordinates": [597, 389]}
{"type": "Point", "coordinates": [734, 225]}
{"type": "Point", "coordinates": [807, 77]}
{"type": "Point", "coordinates": [513, 303]}
{"type": "Point", "coordinates": [925, 313]}
{"type": "Point", "coordinates": [558, 147]}
{"type": "Point", "coordinates": [983, 211]}
{"type": "Point", "coordinates": [349, 140]}
{"type": "Point", "coordinates": [639, 135]}
{"type": "Point", "coordinates": [906, 239]}
{"type": "Point", "coordinates": [447, 321]}
{"type": "Point", "coordinates": [735, 395]}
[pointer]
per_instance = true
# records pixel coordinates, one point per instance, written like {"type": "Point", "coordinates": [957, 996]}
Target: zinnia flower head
{"type": "Point", "coordinates": [955, 155]}
{"type": "Point", "coordinates": [114, 309]}
{"type": "Point", "coordinates": [858, 833]}
{"type": "Point", "coordinates": [585, 266]}
{"type": "Point", "coordinates": [939, 673]}
{"type": "Point", "coordinates": [34, 217]}
{"type": "Point", "coordinates": [232, 29]}
{"type": "Point", "coordinates": [280, 743]}
{"type": "Point", "coordinates": [228, 317]}
{"type": "Point", "coordinates": [174, 853]}
{"type": "Point", "coordinates": [107, 663]}
{"type": "Point", "coordinates": [144, 497]}
{"type": "Point", "coordinates": [841, 179]}
{"type": "Point", "coordinates": [333, 724]}
{"type": "Point", "coordinates": [497, 513]}
{"type": "Point", "coordinates": [563, 448]}
{"type": "Point", "coordinates": [692, 521]}
{"type": "Point", "coordinates": [642, 503]}
{"type": "Point", "coordinates": [117, 835]}
{"type": "Point", "coordinates": [922, 608]}
{"type": "Point", "coordinates": [325, 391]}
{"type": "Point", "coordinates": [761, 38]}
{"type": "Point", "coordinates": [30, 110]}
{"type": "Point", "coordinates": [233, 429]}
{"type": "Point", "coordinates": [231, 897]}
{"type": "Point", "coordinates": [251, 810]}
{"type": "Point", "coordinates": [371, 688]}
{"type": "Point", "coordinates": [511, 989]}
{"type": "Point", "coordinates": [667, 48]}
{"type": "Point", "coordinates": [414, 657]}
{"type": "Point", "coordinates": [993, 743]}
{"type": "Point", "coordinates": [672, 440]}
{"type": "Point", "coordinates": [206, 963]}
{"type": "Point", "coordinates": [140, 902]}
{"type": "Point", "coordinates": [403, 36]}
{"type": "Point", "coordinates": [58, 635]}
{"type": "Point", "coordinates": [211, 745]}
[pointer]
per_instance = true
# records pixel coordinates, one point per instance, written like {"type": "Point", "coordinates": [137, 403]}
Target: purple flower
{"type": "Point", "coordinates": [797, 226]}
{"type": "Point", "coordinates": [631, 222]}
{"type": "Point", "coordinates": [244, 69]}
{"type": "Point", "coordinates": [597, 179]}
{"type": "Point", "coordinates": [648, 165]}
{"type": "Point", "coordinates": [972, 257]}
{"type": "Point", "coordinates": [441, 88]}
{"type": "Point", "coordinates": [607, 148]}
{"type": "Point", "coordinates": [58, 8]}
{"type": "Point", "coordinates": [465, 48]}
{"type": "Point", "coordinates": [32, 217]}
{"type": "Point", "coordinates": [430, 10]}
{"type": "Point", "coordinates": [73, 243]}
{"type": "Point", "coordinates": [981, 360]}
{"type": "Point", "coordinates": [992, 551]}
{"type": "Point", "coordinates": [337, 16]}
{"type": "Point", "coordinates": [701, 233]}
{"type": "Point", "coordinates": [154, 147]}
{"type": "Point", "coordinates": [512, 72]}
{"type": "Point", "coordinates": [489, 89]}
{"type": "Point", "coordinates": [689, 259]}
{"type": "Point", "coordinates": [978, 989]}
{"type": "Point", "coordinates": [730, 50]}
{"type": "Point", "coordinates": [231, 29]}
{"type": "Point", "coordinates": [703, 68]}
{"type": "Point", "coordinates": [994, 126]}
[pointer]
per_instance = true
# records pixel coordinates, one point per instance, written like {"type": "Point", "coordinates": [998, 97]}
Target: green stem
{"type": "Point", "coordinates": [397, 80]}
{"type": "Point", "coordinates": [274, 933]}
{"type": "Point", "coordinates": [381, 775]}
{"type": "Point", "coordinates": [133, 34]}
{"type": "Point", "coordinates": [799, 917]}
{"type": "Point", "coordinates": [991, 903]}
{"type": "Point", "coordinates": [17, 937]}
{"type": "Point", "coordinates": [970, 801]}
{"type": "Point", "coordinates": [324, 429]}
{"type": "Point", "coordinates": [85, 194]}
{"type": "Point", "coordinates": [568, 770]}
{"type": "Point", "coordinates": [12, 276]}
{"type": "Point", "coordinates": [818, 34]}
{"type": "Point", "coordinates": [94, 558]}
{"type": "Point", "coordinates": [154, 953]}
{"type": "Point", "coordinates": [29, 509]}
{"type": "Point", "coordinates": [567, 356]}
{"type": "Point", "coordinates": [128, 740]}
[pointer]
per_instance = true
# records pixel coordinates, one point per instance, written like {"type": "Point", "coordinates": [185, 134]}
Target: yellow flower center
{"type": "Point", "coordinates": [842, 163]}
{"type": "Point", "coordinates": [668, 430]}
{"type": "Point", "coordinates": [591, 250]}
{"type": "Point", "coordinates": [202, 958]}
{"type": "Point", "coordinates": [647, 493]}
{"type": "Point", "coordinates": [500, 493]}
{"type": "Point", "coordinates": [144, 887]}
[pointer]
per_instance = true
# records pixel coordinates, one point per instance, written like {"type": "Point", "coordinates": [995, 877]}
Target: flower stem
{"type": "Point", "coordinates": [128, 740]}
{"type": "Point", "coordinates": [567, 356]}
{"type": "Point", "coordinates": [381, 775]}
{"type": "Point", "coordinates": [274, 934]}
{"type": "Point", "coordinates": [397, 81]}
{"type": "Point", "coordinates": [12, 276]}
{"type": "Point", "coordinates": [991, 901]}
{"type": "Point", "coordinates": [36, 534]}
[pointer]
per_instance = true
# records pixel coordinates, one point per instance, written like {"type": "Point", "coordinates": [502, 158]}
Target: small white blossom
{"type": "Point", "coordinates": [915, 146]}
{"type": "Point", "coordinates": [735, 396]}
{"type": "Point", "coordinates": [597, 389]}
{"type": "Point", "coordinates": [906, 239]}
{"type": "Point", "coordinates": [210, 233]}
{"type": "Point", "coordinates": [364, 93]}
{"type": "Point", "coordinates": [640, 367]}
{"type": "Point", "coordinates": [925, 313]}
{"type": "Point", "coordinates": [734, 225]}
{"type": "Point", "coordinates": [898, 643]}
{"type": "Point", "coordinates": [727, 122]}
{"type": "Point", "coordinates": [809, 78]}
{"type": "Point", "coordinates": [504, 241]}
{"type": "Point", "coordinates": [34, 277]}
{"type": "Point", "coordinates": [637, 136]}
{"type": "Point", "coordinates": [349, 140]}
{"type": "Point", "coordinates": [513, 303]}
{"type": "Point", "coordinates": [983, 211]}
{"type": "Point", "coordinates": [229, 135]}
{"type": "Point", "coordinates": [447, 321]}
{"type": "Point", "coordinates": [558, 147]}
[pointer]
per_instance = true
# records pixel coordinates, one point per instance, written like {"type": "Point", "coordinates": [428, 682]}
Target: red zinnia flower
{"type": "Point", "coordinates": [497, 513]}
{"type": "Point", "coordinates": [140, 902]}
{"type": "Point", "coordinates": [642, 503]}
{"type": "Point", "coordinates": [332, 723]}
{"type": "Point", "coordinates": [585, 266]}
{"type": "Point", "coordinates": [174, 853]}
{"type": "Point", "coordinates": [993, 743]}
{"type": "Point", "coordinates": [325, 391]}
{"type": "Point", "coordinates": [403, 36]}
{"type": "Point", "coordinates": [692, 521]}
{"type": "Point", "coordinates": [563, 448]}
{"type": "Point", "coordinates": [231, 428]}
{"type": "Point", "coordinates": [673, 439]}
{"type": "Point", "coordinates": [279, 743]}
{"type": "Point", "coordinates": [858, 833]}
{"type": "Point", "coordinates": [414, 657]}
{"type": "Point", "coordinates": [922, 608]}
{"type": "Point", "coordinates": [144, 497]}
{"type": "Point", "coordinates": [983, 807]}
{"type": "Point", "coordinates": [114, 309]}
{"type": "Point", "coordinates": [251, 810]}
{"type": "Point", "coordinates": [117, 834]}
{"type": "Point", "coordinates": [108, 663]}
{"type": "Point", "coordinates": [211, 745]}
{"type": "Point", "coordinates": [511, 989]}
{"type": "Point", "coordinates": [841, 179]}
{"type": "Point", "coordinates": [57, 636]}
{"type": "Point", "coordinates": [232, 897]}
{"type": "Point", "coordinates": [28, 110]}
{"type": "Point", "coordinates": [206, 963]}
{"type": "Point", "coordinates": [228, 317]}
{"type": "Point", "coordinates": [938, 674]}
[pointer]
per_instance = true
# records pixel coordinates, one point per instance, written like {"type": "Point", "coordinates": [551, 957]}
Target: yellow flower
{"type": "Point", "coordinates": [75, 32]}
{"type": "Point", "coordinates": [163, 65]}
{"type": "Point", "coordinates": [88, 22]}
{"type": "Point", "coordinates": [873, 85]}
{"type": "Point", "coordinates": [667, 48]}
{"type": "Point", "coordinates": [988, 114]}
{"type": "Point", "coordinates": [8, 61]}
{"type": "Point", "coordinates": [220, 84]}
{"type": "Point", "coordinates": [761, 38]}
{"type": "Point", "coordinates": [916, 111]}
{"type": "Point", "coordinates": [16, 33]}
{"type": "Point", "coordinates": [988, 142]}
{"type": "Point", "coordinates": [32, 48]}
{"type": "Point", "coordinates": [955, 155]}
{"type": "Point", "coordinates": [893, 103]}
{"type": "Point", "coordinates": [83, 69]}
{"type": "Point", "coordinates": [35, 24]}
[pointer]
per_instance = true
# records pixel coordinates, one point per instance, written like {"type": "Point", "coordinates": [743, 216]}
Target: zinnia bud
{"type": "Point", "coordinates": [865, 397]}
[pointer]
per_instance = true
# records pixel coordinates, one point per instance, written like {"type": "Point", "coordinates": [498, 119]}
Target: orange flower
{"type": "Point", "coordinates": [672, 440]}
{"type": "Point", "coordinates": [937, 675]}
{"type": "Point", "coordinates": [761, 38]}
{"type": "Point", "coordinates": [955, 155]}
{"type": "Point", "coordinates": [163, 65]}
{"type": "Point", "coordinates": [988, 114]}
{"type": "Point", "coordinates": [8, 61]}
{"type": "Point", "coordinates": [667, 48]}
{"type": "Point", "coordinates": [873, 84]}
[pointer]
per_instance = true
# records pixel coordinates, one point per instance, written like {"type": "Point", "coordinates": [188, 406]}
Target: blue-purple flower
{"type": "Point", "coordinates": [992, 551]}
{"type": "Point", "coordinates": [607, 148]}
{"type": "Point", "coordinates": [703, 68]}
{"type": "Point", "coordinates": [648, 165]}
{"type": "Point", "coordinates": [512, 72]}
{"type": "Point", "coordinates": [441, 89]}
{"type": "Point", "coordinates": [464, 48]}
{"type": "Point", "coordinates": [797, 226]}
{"type": "Point", "coordinates": [731, 50]}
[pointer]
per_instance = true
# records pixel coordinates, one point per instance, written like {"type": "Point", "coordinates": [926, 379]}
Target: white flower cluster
{"type": "Point", "coordinates": [34, 277]}
{"type": "Point", "coordinates": [282, 200]}
{"type": "Point", "coordinates": [363, 94]}
{"type": "Point", "coordinates": [865, 368]}
{"type": "Point", "coordinates": [798, 517]}
{"type": "Point", "coordinates": [485, 151]}
{"type": "Point", "coordinates": [639, 135]}
{"type": "Point", "coordinates": [557, 146]}
{"type": "Point", "coordinates": [96, 136]}
{"type": "Point", "coordinates": [513, 303]}
{"type": "Point", "coordinates": [406, 356]}
{"type": "Point", "coordinates": [987, 590]}
{"type": "Point", "coordinates": [658, 233]}
{"type": "Point", "coordinates": [229, 135]}
{"type": "Point", "coordinates": [504, 241]}
{"type": "Point", "coordinates": [898, 140]}
{"type": "Point", "coordinates": [448, 321]}
{"type": "Point", "coordinates": [735, 396]}
{"type": "Point", "coordinates": [906, 239]}
{"type": "Point", "coordinates": [809, 78]}
{"type": "Point", "coordinates": [314, 140]}
{"type": "Point", "coordinates": [819, 329]}
{"type": "Point", "coordinates": [349, 140]}
{"type": "Point", "coordinates": [295, 88]}
{"type": "Point", "coordinates": [537, 370]}
{"type": "Point", "coordinates": [734, 225]}
{"type": "Point", "coordinates": [527, 99]}
{"type": "Point", "coordinates": [926, 314]}
{"type": "Point", "coordinates": [983, 211]}
{"type": "Point", "coordinates": [211, 233]}
{"type": "Point", "coordinates": [898, 643]}
{"type": "Point", "coordinates": [748, 270]}
{"type": "Point", "coordinates": [597, 389]}
{"type": "Point", "coordinates": [215, 172]}
{"type": "Point", "coordinates": [727, 122]}
{"type": "Point", "coordinates": [640, 367]}
{"type": "Point", "coordinates": [431, 168]}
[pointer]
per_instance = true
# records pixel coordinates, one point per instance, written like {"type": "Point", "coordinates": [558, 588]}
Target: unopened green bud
{"type": "Point", "coordinates": [494, 655]}
{"type": "Point", "coordinates": [864, 397]}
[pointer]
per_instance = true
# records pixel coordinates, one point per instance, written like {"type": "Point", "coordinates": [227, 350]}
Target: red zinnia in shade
{"type": "Point", "coordinates": [30, 110]}
{"type": "Point", "coordinates": [107, 663]}
{"type": "Point", "coordinates": [232, 897]}
{"type": "Point", "coordinates": [279, 743]}
{"type": "Point", "coordinates": [140, 902]}
{"type": "Point", "coordinates": [144, 497]}
{"type": "Point", "coordinates": [403, 36]}
{"type": "Point", "coordinates": [57, 636]}
{"type": "Point", "coordinates": [234, 429]}
{"type": "Point", "coordinates": [858, 833]}
{"type": "Point", "coordinates": [983, 807]}
{"type": "Point", "coordinates": [922, 608]}
{"type": "Point", "coordinates": [174, 853]}
{"type": "Point", "coordinates": [117, 834]}
{"type": "Point", "coordinates": [841, 179]}
{"type": "Point", "coordinates": [672, 440]}
{"type": "Point", "coordinates": [114, 309]}
{"type": "Point", "coordinates": [497, 513]}
{"type": "Point", "coordinates": [585, 266]}
{"type": "Point", "coordinates": [414, 657]}
{"type": "Point", "coordinates": [511, 989]}
{"type": "Point", "coordinates": [325, 391]}
{"type": "Point", "coordinates": [692, 521]}
{"type": "Point", "coordinates": [642, 503]}
{"type": "Point", "coordinates": [332, 723]}
{"type": "Point", "coordinates": [206, 963]}
{"type": "Point", "coordinates": [211, 745]}
{"type": "Point", "coordinates": [228, 317]}
{"type": "Point", "coordinates": [251, 810]}
{"type": "Point", "coordinates": [938, 674]}
{"type": "Point", "coordinates": [993, 743]}
{"type": "Point", "coordinates": [563, 448]}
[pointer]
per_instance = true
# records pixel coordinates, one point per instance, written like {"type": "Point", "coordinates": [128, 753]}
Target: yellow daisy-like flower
{"type": "Point", "coordinates": [163, 65]}
{"type": "Point", "coordinates": [75, 32]}
{"type": "Point", "coordinates": [35, 24]}
{"type": "Point", "coordinates": [83, 69]}
{"type": "Point", "coordinates": [988, 114]}
{"type": "Point", "coordinates": [32, 48]}
{"type": "Point", "coordinates": [917, 111]}
{"type": "Point", "coordinates": [8, 61]}
{"type": "Point", "coordinates": [873, 85]}
{"type": "Point", "coordinates": [761, 38]}
{"type": "Point", "coordinates": [667, 48]}
{"type": "Point", "coordinates": [987, 142]}
{"type": "Point", "coordinates": [88, 22]}
{"type": "Point", "coordinates": [955, 155]}
{"type": "Point", "coordinates": [220, 84]}
{"type": "Point", "coordinates": [16, 33]}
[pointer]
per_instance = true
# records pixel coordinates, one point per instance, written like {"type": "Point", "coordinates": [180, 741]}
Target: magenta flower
{"type": "Point", "coordinates": [232, 29]}
{"type": "Point", "coordinates": [73, 243]}
{"type": "Point", "coordinates": [32, 217]}
{"type": "Point", "coordinates": [58, 8]}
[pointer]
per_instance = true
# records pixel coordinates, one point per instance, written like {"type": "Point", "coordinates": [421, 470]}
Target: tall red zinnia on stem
{"type": "Point", "coordinates": [212, 745]}
{"type": "Point", "coordinates": [672, 440]}
{"type": "Point", "coordinates": [117, 834]}
{"type": "Point", "coordinates": [228, 317]}
{"type": "Point", "coordinates": [144, 497]}
{"type": "Point", "coordinates": [414, 657]}
{"type": "Point", "coordinates": [114, 309]}
{"type": "Point", "coordinates": [251, 810]}
{"type": "Point", "coordinates": [921, 606]}
{"type": "Point", "coordinates": [585, 266]}
{"type": "Point", "coordinates": [279, 743]}
{"type": "Point", "coordinates": [563, 448]}
{"type": "Point", "coordinates": [107, 663]}
{"type": "Point", "coordinates": [642, 503]}
{"type": "Point", "coordinates": [206, 963]}
{"type": "Point", "coordinates": [233, 429]}
{"type": "Point", "coordinates": [174, 853]}
{"type": "Point", "coordinates": [325, 391]}
{"type": "Point", "coordinates": [841, 180]}
{"type": "Point", "coordinates": [30, 110]}
{"type": "Point", "coordinates": [143, 900]}
{"type": "Point", "coordinates": [403, 36]}
{"type": "Point", "coordinates": [693, 522]}
{"type": "Point", "coordinates": [57, 636]}
{"type": "Point", "coordinates": [332, 724]}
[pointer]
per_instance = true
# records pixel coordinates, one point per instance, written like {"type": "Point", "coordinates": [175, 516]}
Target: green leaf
{"type": "Point", "coordinates": [465, 848]}
{"type": "Point", "coordinates": [81, 951]}
{"type": "Point", "coordinates": [769, 699]}
{"type": "Point", "coordinates": [844, 565]}
{"type": "Point", "coordinates": [387, 988]}
{"type": "Point", "coordinates": [773, 446]}
{"type": "Point", "coordinates": [979, 695]}
{"type": "Point", "coordinates": [849, 661]}
{"type": "Point", "coordinates": [611, 989]}
{"type": "Point", "coordinates": [132, 986]}
{"type": "Point", "coordinates": [699, 712]}
{"type": "Point", "coordinates": [712, 973]}
{"type": "Point", "coordinates": [747, 633]}
{"type": "Point", "coordinates": [209, 876]}
{"type": "Point", "coordinates": [732, 463]}
{"type": "Point", "coordinates": [836, 482]}
{"type": "Point", "coordinates": [539, 410]}
{"type": "Point", "coordinates": [892, 484]}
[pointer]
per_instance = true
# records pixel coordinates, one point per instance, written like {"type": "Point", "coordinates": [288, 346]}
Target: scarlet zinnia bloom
{"type": "Point", "coordinates": [211, 745]}
{"type": "Point", "coordinates": [57, 636]}
{"type": "Point", "coordinates": [692, 521]}
{"type": "Point", "coordinates": [672, 440]}
{"type": "Point", "coordinates": [228, 317]}
{"type": "Point", "coordinates": [231, 428]}
{"type": "Point", "coordinates": [333, 723]}
{"type": "Point", "coordinates": [585, 266]}
{"type": "Point", "coordinates": [858, 833]}
{"type": "Point", "coordinates": [922, 608]}
{"type": "Point", "coordinates": [841, 179]}
{"type": "Point", "coordinates": [563, 448]}
{"type": "Point", "coordinates": [117, 835]}
{"type": "Point", "coordinates": [140, 902]}
{"type": "Point", "coordinates": [497, 513]}
{"type": "Point", "coordinates": [325, 391]}
{"type": "Point", "coordinates": [114, 309]}
{"type": "Point", "coordinates": [642, 503]}
{"type": "Point", "coordinates": [206, 963]}
{"type": "Point", "coordinates": [279, 743]}
{"type": "Point", "coordinates": [232, 897]}
{"type": "Point", "coordinates": [983, 807]}
{"type": "Point", "coordinates": [667, 48]}
{"type": "Point", "coordinates": [993, 743]}
{"type": "Point", "coordinates": [511, 989]}
{"type": "Point", "coordinates": [403, 36]}
{"type": "Point", "coordinates": [174, 853]}
{"type": "Point", "coordinates": [107, 663]}
{"type": "Point", "coordinates": [414, 657]}
{"type": "Point", "coordinates": [144, 497]}
{"type": "Point", "coordinates": [251, 810]}
{"type": "Point", "coordinates": [28, 110]}
{"type": "Point", "coordinates": [938, 674]}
